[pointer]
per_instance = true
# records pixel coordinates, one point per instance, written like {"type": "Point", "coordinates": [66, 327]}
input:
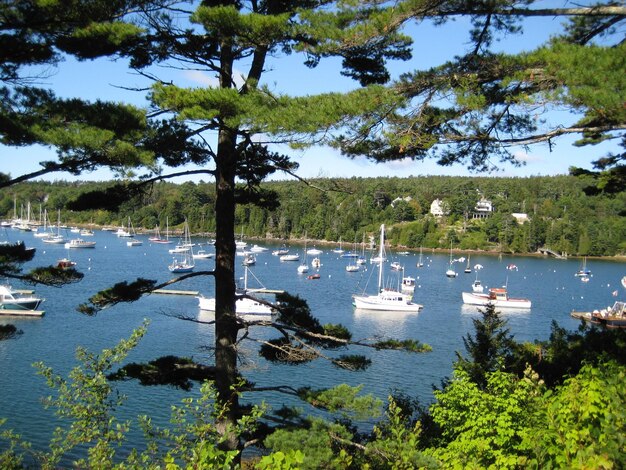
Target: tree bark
{"type": "Point", "coordinates": [226, 325]}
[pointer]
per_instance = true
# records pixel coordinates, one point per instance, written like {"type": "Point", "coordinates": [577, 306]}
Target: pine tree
{"type": "Point", "coordinates": [489, 349]}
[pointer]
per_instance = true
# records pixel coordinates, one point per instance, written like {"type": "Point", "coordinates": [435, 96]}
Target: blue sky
{"type": "Point", "coordinates": [104, 79]}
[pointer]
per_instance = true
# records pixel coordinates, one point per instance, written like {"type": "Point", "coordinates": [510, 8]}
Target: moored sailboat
{"type": "Point", "coordinates": [386, 299]}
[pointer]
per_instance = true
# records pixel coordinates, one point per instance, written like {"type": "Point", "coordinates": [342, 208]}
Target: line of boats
{"type": "Point", "coordinates": [387, 297]}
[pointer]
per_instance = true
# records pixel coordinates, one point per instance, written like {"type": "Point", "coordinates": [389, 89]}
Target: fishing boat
{"type": "Point", "coordinates": [244, 306]}
{"type": "Point", "coordinates": [80, 243]}
{"type": "Point", "coordinates": [497, 296]}
{"type": "Point", "coordinates": [408, 284]}
{"type": "Point", "coordinates": [13, 302]}
{"type": "Point", "coordinates": [477, 287]}
{"type": "Point", "coordinates": [65, 263]}
{"type": "Point", "coordinates": [386, 299]}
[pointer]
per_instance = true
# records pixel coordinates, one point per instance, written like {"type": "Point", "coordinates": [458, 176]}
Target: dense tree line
{"type": "Point", "coordinates": [561, 215]}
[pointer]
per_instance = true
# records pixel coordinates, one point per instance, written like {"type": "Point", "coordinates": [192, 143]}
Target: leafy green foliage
{"type": "Point", "coordinates": [585, 421]}
{"type": "Point", "coordinates": [485, 427]}
{"type": "Point", "coordinates": [345, 399]}
{"type": "Point", "coordinates": [281, 460]}
{"type": "Point", "coordinates": [395, 444]}
{"type": "Point", "coordinates": [88, 401]}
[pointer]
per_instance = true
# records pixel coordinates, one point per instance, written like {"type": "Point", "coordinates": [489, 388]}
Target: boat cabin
{"type": "Point", "coordinates": [498, 293]}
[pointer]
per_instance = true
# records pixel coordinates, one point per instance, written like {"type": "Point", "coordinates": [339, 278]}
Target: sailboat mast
{"type": "Point", "coordinates": [380, 257]}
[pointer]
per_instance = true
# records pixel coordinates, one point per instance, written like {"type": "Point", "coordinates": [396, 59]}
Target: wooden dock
{"type": "Point", "coordinates": [21, 313]}
{"type": "Point", "coordinates": [175, 292]}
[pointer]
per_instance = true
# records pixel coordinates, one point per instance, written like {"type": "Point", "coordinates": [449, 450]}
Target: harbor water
{"type": "Point", "coordinates": [551, 284]}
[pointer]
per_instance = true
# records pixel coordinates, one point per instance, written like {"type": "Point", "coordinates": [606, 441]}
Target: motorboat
{"type": "Point", "coordinates": [314, 251]}
{"type": "Point", "coordinates": [396, 266]}
{"type": "Point", "coordinates": [283, 250]}
{"type": "Point", "coordinates": [203, 254]}
{"type": "Point", "coordinates": [386, 299]}
{"type": "Point", "coordinates": [13, 302]}
{"type": "Point", "coordinates": [408, 284]}
{"type": "Point", "coordinates": [249, 260]}
{"type": "Point", "coordinates": [288, 257]}
{"type": "Point", "coordinates": [258, 249]}
{"type": "Point", "coordinates": [65, 263]}
{"type": "Point", "coordinates": [316, 262]}
{"type": "Point", "coordinates": [498, 296]}
{"type": "Point", "coordinates": [134, 242]}
{"type": "Point", "coordinates": [477, 286]}
{"type": "Point", "coordinates": [80, 243]}
{"type": "Point", "coordinates": [611, 317]}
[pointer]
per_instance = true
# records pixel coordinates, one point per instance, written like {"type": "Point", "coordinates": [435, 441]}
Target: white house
{"type": "Point", "coordinates": [437, 208]}
{"type": "Point", "coordinates": [482, 209]}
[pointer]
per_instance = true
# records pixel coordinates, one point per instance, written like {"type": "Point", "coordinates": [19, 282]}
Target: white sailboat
{"type": "Point", "coordinates": [451, 272]}
{"type": "Point", "coordinates": [386, 299]}
{"type": "Point", "coordinates": [184, 263]}
{"type": "Point", "coordinates": [304, 266]}
{"type": "Point", "coordinates": [134, 241]}
{"type": "Point", "coordinates": [55, 238]}
{"type": "Point", "coordinates": [244, 306]}
{"type": "Point", "coordinates": [157, 237]}
{"type": "Point", "coordinates": [420, 261]}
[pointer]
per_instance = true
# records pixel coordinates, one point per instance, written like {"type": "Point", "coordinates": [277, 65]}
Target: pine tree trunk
{"type": "Point", "coordinates": [226, 325]}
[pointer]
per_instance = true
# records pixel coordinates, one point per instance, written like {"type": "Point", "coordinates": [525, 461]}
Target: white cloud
{"type": "Point", "coordinates": [199, 77]}
{"type": "Point", "coordinates": [204, 79]}
{"type": "Point", "coordinates": [522, 156]}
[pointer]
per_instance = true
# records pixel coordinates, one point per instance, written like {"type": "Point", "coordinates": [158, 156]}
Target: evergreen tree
{"type": "Point", "coordinates": [489, 349]}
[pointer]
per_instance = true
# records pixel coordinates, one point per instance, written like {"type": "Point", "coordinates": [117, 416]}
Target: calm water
{"type": "Point", "coordinates": [549, 283]}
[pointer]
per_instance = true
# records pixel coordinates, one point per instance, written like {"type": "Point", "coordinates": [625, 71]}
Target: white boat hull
{"type": "Point", "coordinates": [386, 301]}
{"type": "Point", "coordinates": [242, 306]}
{"type": "Point", "coordinates": [471, 298]}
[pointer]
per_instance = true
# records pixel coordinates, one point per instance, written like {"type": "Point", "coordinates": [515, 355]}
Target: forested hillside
{"type": "Point", "coordinates": [561, 215]}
